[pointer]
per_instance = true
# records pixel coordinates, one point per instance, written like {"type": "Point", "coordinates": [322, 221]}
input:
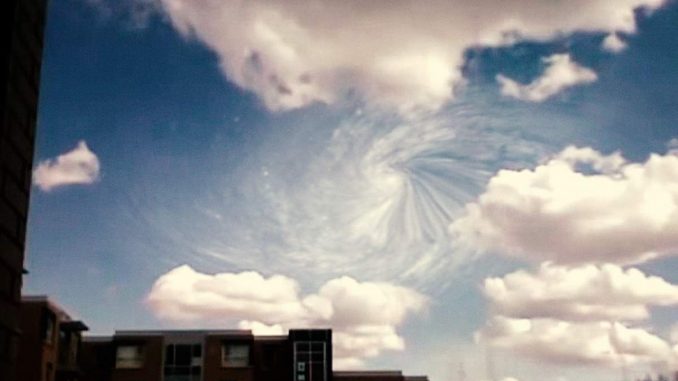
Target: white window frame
{"type": "Point", "coordinates": [136, 362]}
{"type": "Point", "coordinates": [229, 364]}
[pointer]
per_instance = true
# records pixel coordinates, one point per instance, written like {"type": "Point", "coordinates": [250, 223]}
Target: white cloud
{"type": "Point", "coordinates": [607, 164]}
{"type": "Point", "coordinates": [674, 333]}
{"type": "Point", "coordinates": [560, 73]}
{"type": "Point", "coordinates": [365, 341]}
{"type": "Point", "coordinates": [364, 315]}
{"type": "Point", "coordinates": [402, 54]}
{"type": "Point", "coordinates": [347, 363]}
{"type": "Point", "coordinates": [261, 329]}
{"type": "Point", "coordinates": [578, 207]}
{"type": "Point", "coordinates": [78, 166]}
{"type": "Point", "coordinates": [607, 344]}
{"type": "Point", "coordinates": [579, 316]}
{"type": "Point", "coordinates": [368, 304]}
{"type": "Point", "coordinates": [672, 146]}
{"type": "Point", "coordinates": [184, 294]}
{"type": "Point", "coordinates": [586, 293]}
{"type": "Point", "coordinates": [613, 43]}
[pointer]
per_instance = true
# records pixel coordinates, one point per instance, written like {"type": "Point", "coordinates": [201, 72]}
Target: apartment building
{"type": "Point", "coordinates": [50, 344]}
{"type": "Point", "coordinates": [21, 39]}
{"type": "Point", "coordinates": [228, 355]}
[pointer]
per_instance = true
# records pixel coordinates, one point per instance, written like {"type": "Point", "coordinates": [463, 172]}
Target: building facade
{"type": "Point", "coordinates": [50, 344]}
{"type": "Point", "coordinates": [237, 355]}
{"type": "Point", "coordinates": [21, 38]}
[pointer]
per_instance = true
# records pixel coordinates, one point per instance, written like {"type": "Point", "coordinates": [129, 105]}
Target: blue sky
{"type": "Point", "coordinates": [401, 166]}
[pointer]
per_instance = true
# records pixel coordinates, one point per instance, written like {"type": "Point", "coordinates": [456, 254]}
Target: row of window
{"type": "Point", "coordinates": [180, 358]}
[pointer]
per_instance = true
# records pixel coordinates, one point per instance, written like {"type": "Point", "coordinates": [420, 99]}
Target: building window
{"type": "Point", "coordinates": [48, 371]}
{"type": "Point", "coordinates": [310, 358]}
{"type": "Point", "coordinates": [49, 325]}
{"type": "Point", "coordinates": [129, 357]}
{"type": "Point", "coordinates": [235, 355]}
{"type": "Point", "coordinates": [183, 362]}
{"type": "Point", "coordinates": [75, 348]}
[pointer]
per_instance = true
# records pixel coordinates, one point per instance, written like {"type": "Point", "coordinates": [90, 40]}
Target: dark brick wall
{"type": "Point", "coordinates": [97, 360]}
{"type": "Point", "coordinates": [37, 359]}
{"type": "Point", "coordinates": [272, 359]}
{"type": "Point", "coordinates": [21, 38]}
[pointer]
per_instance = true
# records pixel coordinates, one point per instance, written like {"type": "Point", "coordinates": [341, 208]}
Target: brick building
{"type": "Point", "coordinates": [50, 344]}
{"type": "Point", "coordinates": [21, 38]}
{"type": "Point", "coordinates": [237, 355]}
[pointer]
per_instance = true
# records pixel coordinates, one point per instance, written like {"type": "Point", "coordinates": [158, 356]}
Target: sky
{"type": "Point", "coordinates": [472, 191]}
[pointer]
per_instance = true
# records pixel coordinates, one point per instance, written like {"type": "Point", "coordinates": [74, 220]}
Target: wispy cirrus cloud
{"type": "Point", "coordinates": [364, 315]}
{"type": "Point", "coordinates": [79, 166]}
{"type": "Point", "coordinates": [370, 196]}
{"type": "Point", "coordinates": [561, 73]}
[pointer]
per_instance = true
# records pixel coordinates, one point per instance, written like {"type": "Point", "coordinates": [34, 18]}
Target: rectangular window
{"type": "Point", "coordinates": [311, 361]}
{"type": "Point", "coordinates": [183, 362]}
{"type": "Point", "coordinates": [182, 355]}
{"type": "Point", "coordinates": [129, 357]}
{"type": "Point", "coordinates": [74, 348]}
{"type": "Point", "coordinates": [48, 371]}
{"type": "Point", "coordinates": [235, 355]}
{"type": "Point", "coordinates": [49, 321]}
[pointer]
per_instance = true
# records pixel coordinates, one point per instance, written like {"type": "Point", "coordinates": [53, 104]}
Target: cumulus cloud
{"type": "Point", "coordinates": [609, 344]}
{"type": "Point", "coordinates": [77, 166]}
{"type": "Point", "coordinates": [261, 329]}
{"type": "Point", "coordinates": [578, 207]}
{"type": "Point", "coordinates": [184, 294]}
{"type": "Point", "coordinates": [401, 54]}
{"type": "Point", "coordinates": [578, 315]}
{"type": "Point", "coordinates": [364, 315]}
{"type": "Point", "coordinates": [560, 73]}
{"type": "Point", "coordinates": [613, 43]}
{"type": "Point", "coordinates": [674, 333]}
{"type": "Point", "coordinates": [586, 293]}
